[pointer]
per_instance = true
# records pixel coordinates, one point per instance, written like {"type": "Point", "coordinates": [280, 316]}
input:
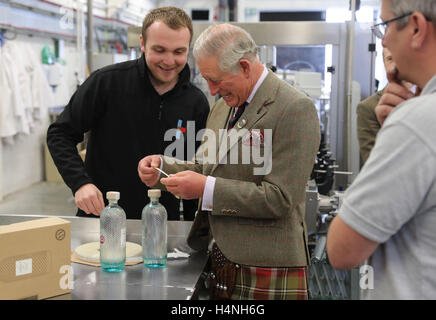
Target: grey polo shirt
{"type": "Point", "coordinates": [393, 202]}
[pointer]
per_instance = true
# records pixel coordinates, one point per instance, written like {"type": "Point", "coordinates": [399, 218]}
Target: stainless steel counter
{"type": "Point", "coordinates": [174, 282]}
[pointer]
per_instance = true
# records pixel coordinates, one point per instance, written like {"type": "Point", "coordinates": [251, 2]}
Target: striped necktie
{"type": "Point", "coordinates": [237, 115]}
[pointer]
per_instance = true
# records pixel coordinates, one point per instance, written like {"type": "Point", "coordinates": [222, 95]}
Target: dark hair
{"type": "Point", "coordinates": [173, 17]}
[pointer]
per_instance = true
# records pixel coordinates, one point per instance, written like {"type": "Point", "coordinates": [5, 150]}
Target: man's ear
{"type": "Point", "coordinates": [245, 66]}
{"type": "Point", "coordinates": [420, 30]}
{"type": "Point", "coordinates": [141, 40]}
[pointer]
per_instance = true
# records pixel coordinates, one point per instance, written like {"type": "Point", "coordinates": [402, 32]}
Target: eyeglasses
{"type": "Point", "coordinates": [379, 29]}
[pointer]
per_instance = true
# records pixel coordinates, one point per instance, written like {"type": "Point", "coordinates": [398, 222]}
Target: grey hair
{"type": "Point", "coordinates": [401, 7]}
{"type": "Point", "coordinates": [229, 43]}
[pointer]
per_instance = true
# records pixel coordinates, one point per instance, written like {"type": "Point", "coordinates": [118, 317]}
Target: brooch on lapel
{"type": "Point", "coordinates": [241, 123]}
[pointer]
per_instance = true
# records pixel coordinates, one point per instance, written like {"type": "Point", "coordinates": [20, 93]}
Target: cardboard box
{"type": "Point", "coordinates": [51, 172]}
{"type": "Point", "coordinates": [35, 259]}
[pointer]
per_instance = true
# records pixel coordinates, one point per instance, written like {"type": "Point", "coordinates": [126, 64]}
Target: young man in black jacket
{"type": "Point", "coordinates": [128, 107]}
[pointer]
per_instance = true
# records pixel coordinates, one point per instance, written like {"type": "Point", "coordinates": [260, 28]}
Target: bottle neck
{"type": "Point", "coordinates": [154, 200]}
{"type": "Point", "coordinates": [113, 202]}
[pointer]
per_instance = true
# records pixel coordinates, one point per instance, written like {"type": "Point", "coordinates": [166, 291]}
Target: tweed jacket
{"type": "Point", "coordinates": [367, 124]}
{"type": "Point", "coordinates": [258, 219]}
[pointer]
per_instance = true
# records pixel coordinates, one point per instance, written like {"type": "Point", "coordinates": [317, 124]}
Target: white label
{"type": "Point", "coordinates": [23, 267]}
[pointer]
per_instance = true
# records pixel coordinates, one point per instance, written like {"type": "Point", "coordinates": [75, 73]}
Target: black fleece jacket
{"type": "Point", "coordinates": [127, 120]}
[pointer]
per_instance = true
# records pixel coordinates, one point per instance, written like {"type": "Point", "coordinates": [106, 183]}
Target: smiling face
{"type": "Point", "coordinates": [166, 52]}
{"type": "Point", "coordinates": [234, 88]}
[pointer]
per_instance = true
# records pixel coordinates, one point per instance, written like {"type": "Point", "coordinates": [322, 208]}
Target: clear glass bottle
{"type": "Point", "coordinates": [113, 235]}
{"type": "Point", "coordinates": [154, 232]}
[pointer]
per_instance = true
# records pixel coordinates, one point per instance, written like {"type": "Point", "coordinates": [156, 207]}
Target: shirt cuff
{"type": "Point", "coordinates": [207, 200]}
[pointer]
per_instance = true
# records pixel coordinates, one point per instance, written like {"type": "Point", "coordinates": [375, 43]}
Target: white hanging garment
{"type": "Point", "coordinates": [41, 92]}
{"type": "Point", "coordinates": [7, 115]}
{"type": "Point", "coordinates": [25, 93]}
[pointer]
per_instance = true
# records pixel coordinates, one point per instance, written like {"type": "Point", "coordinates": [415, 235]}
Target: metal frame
{"type": "Point", "coordinates": [271, 33]}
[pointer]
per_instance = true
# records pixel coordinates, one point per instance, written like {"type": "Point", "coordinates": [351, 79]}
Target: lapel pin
{"type": "Point", "coordinates": [241, 123]}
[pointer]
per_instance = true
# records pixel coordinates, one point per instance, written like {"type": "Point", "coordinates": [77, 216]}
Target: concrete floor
{"type": "Point", "coordinates": [44, 198]}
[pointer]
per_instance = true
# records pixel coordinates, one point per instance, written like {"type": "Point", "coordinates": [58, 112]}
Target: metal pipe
{"type": "Point", "coordinates": [372, 68]}
{"type": "Point", "coordinates": [222, 11]}
{"type": "Point", "coordinates": [373, 60]}
{"type": "Point", "coordinates": [90, 43]}
{"type": "Point", "coordinates": [350, 82]}
{"type": "Point", "coordinates": [80, 44]}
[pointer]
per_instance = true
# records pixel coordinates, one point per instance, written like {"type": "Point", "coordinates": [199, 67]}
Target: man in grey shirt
{"type": "Point", "coordinates": [389, 213]}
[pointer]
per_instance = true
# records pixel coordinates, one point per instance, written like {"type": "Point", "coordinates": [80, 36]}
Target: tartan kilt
{"type": "Point", "coordinates": [257, 283]}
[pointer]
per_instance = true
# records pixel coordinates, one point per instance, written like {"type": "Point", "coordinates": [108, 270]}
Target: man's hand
{"type": "Point", "coordinates": [396, 92]}
{"type": "Point", "coordinates": [146, 171]}
{"type": "Point", "coordinates": [186, 184]}
{"type": "Point", "coordinates": [89, 199]}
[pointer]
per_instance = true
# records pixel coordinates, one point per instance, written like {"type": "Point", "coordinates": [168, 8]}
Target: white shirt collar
{"type": "Point", "coordinates": [258, 83]}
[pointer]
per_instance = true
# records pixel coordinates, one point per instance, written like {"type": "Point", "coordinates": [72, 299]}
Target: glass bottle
{"type": "Point", "coordinates": [154, 232]}
{"type": "Point", "coordinates": [113, 235]}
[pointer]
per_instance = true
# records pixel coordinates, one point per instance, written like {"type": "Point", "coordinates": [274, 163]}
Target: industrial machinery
{"type": "Point", "coordinates": [322, 204]}
{"type": "Point", "coordinates": [325, 282]}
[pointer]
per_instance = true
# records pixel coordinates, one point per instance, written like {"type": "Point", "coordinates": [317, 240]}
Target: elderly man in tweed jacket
{"type": "Point", "coordinates": [252, 213]}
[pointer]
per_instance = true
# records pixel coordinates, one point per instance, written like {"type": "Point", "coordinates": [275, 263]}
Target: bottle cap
{"type": "Point", "coordinates": [112, 195]}
{"type": "Point", "coordinates": [154, 193]}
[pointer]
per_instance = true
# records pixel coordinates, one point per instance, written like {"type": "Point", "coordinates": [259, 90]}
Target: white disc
{"type": "Point", "coordinates": [90, 252]}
